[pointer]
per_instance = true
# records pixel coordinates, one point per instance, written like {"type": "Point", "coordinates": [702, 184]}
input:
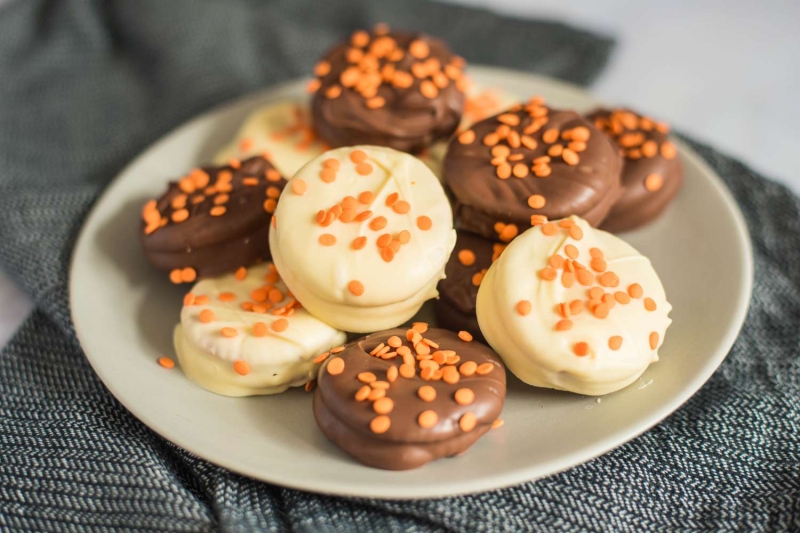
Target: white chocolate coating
{"type": "Point", "coordinates": [531, 346]}
{"type": "Point", "coordinates": [480, 103]}
{"type": "Point", "coordinates": [282, 130]}
{"type": "Point", "coordinates": [319, 276]}
{"type": "Point", "coordinates": [276, 361]}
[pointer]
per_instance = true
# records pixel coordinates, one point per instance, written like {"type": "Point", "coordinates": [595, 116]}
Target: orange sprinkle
{"type": "Point", "coordinates": [383, 406]}
{"type": "Point", "coordinates": [649, 304]}
{"type": "Point", "coordinates": [635, 290]}
{"type": "Point", "coordinates": [427, 419]}
{"type": "Point", "coordinates": [364, 169]}
{"type": "Point", "coordinates": [576, 233]}
{"type": "Point", "coordinates": [335, 366]}
{"type": "Point", "coordinates": [380, 424]}
{"type": "Point", "coordinates": [424, 223]}
{"type": "Point", "coordinates": [608, 279]}
{"type": "Point", "coordinates": [188, 299]}
{"type": "Point", "coordinates": [622, 297]}
{"type": "Point", "coordinates": [363, 393]}
{"type": "Point", "coordinates": [585, 277]}
{"type": "Point", "coordinates": [280, 325]}
{"type": "Point", "coordinates": [570, 157]}
{"type": "Point", "coordinates": [366, 377]}
{"type": "Point", "coordinates": [180, 215]}
{"type": "Point", "coordinates": [464, 396]}
{"type": "Point", "coordinates": [668, 150]}
{"type": "Point", "coordinates": [402, 207]}
{"type": "Point", "coordinates": [653, 182]}
{"type": "Point", "coordinates": [550, 136]}
{"type": "Point", "coordinates": [420, 327]}
{"type": "Point", "coordinates": [166, 362]}
{"type": "Point", "coordinates": [467, 422]}
{"type": "Point", "coordinates": [270, 205]}
{"type": "Point", "coordinates": [259, 329]}
{"type": "Point", "coordinates": [497, 423]}
{"type": "Point", "coordinates": [229, 332]}
{"type": "Point", "coordinates": [615, 342]}
{"type": "Point", "coordinates": [428, 89]}
{"type": "Point", "coordinates": [218, 210]}
{"type": "Point", "coordinates": [653, 340]}
{"type": "Point", "coordinates": [508, 232]}
{"type": "Point", "coordinates": [426, 393]}
{"type": "Point", "coordinates": [601, 310]}
{"type": "Point", "coordinates": [392, 198]}
{"type": "Point", "coordinates": [375, 102]}
{"type": "Point", "coordinates": [356, 287]}
{"type": "Point", "coordinates": [468, 368]}
{"type": "Point", "coordinates": [241, 367]}
{"type": "Point", "coordinates": [358, 156]}
{"type": "Point", "coordinates": [581, 349]}
{"type": "Point", "coordinates": [201, 300]}
{"type": "Point", "coordinates": [321, 357]}
{"type": "Point", "coordinates": [567, 279]}
{"type": "Point", "coordinates": [477, 278]}
{"type": "Point", "coordinates": [467, 137]}
{"type": "Point", "coordinates": [334, 91]}
{"type": "Point", "coordinates": [484, 369]}
{"type": "Point", "coordinates": [328, 175]}
{"type": "Point", "coordinates": [575, 307]}
{"type": "Point", "coordinates": [596, 253]}
{"type": "Point", "coordinates": [536, 201]}
{"type": "Point", "coordinates": [407, 371]}
{"type": "Point", "coordinates": [358, 243]}
{"type": "Point", "coordinates": [419, 49]}
{"type": "Point", "coordinates": [556, 261]}
{"type": "Point", "coordinates": [364, 215]}
{"type": "Point", "coordinates": [404, 237]}
{"type": "Point", "coordinates": [326, 239]}
{"type": "Point", "coordinates": [299, 187]}
{"type": "Point", "coordinates": [188, 275]}
{"type": "Point", "coordinates": [391, 374]}
{"type": "Point", "coordinates": [523, 307]}
{"type": "Point", "coordinates": [563, 325]}
{"type": "Point", "coordinates": [550, 229]}
{"type": "Point", "coordinates": [376, 394]}
{"type": "Point", "coordinates": [466, 257]}
{"type": "Point", "coordinates": [548, 274]}
{"type": "Point", "coordinates": [465, 336]}
{"type": "Point", "coordinates": [571, 251]}
{"type": "Point", "coordinates": [378, 223]}
{"type": "Point", "coordinates": [598, 264]}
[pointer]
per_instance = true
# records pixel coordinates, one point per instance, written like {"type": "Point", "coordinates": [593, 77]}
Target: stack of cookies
{"type": "Point", "coordinates": [324, 221]}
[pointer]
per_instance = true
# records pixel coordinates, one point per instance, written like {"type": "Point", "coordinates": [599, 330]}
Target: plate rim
{"type": "Point", "coordinates": [519, 476]}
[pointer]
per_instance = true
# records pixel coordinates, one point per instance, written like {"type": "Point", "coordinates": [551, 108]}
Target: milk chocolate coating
{"type": "Point", "coordinates": [406, 444]}
{"type": "Point", "coordinates": [455, 308]}
{"type": "Point", "coordinates": [214, 245]}
{"type": "Point", "coordinates": [637, 205]}
{"type": "Point", "coordinates": [587, 189]}
{"type": "Point", "coordinates": [408, 121]}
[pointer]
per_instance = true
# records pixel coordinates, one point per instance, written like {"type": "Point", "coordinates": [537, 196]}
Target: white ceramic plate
{"type": "Point", "coordinates": [124, 312]}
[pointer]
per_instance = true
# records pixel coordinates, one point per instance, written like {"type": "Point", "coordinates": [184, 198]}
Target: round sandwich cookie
{"type": "Point", "coordinates": [244, 334]}
{"type": "Point", "coordinates": [471, 258]}
{"type": "Point", "coordinates": [573, 308]}
{"type": "Point", "coordinates": [527, 165]}
{"type": "Point", "coordinates": [280, 131]}
{"type": "Point", "coordinates": [401, 398]}
{"type": "Point", "coordinates": [651, 173]}
{"type": "Point", "coordinates": [361, 237]}
{"type": "Point", "coordinates": [213, 220]}
{"type": "Point", "coordinates": [388, 88]}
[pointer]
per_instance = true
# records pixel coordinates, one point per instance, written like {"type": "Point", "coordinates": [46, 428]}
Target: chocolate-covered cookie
{"type": "Point", "coordinates": [401, 398]}
{"type": "Point", "coordinates": [529, 164]}
{"type": "Point", "coordinates": [651, 173]}
{"type": "Point", "coordinates": [471, 258]}
{"type": "Point", "coordinates": [212, 221]}
{"type": "Point", "coordinates": [388, 88]}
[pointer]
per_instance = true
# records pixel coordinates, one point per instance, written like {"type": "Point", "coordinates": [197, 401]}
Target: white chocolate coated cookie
{"type": "Point", "coordinates": [574, 308]}
{"type": "Point", "coordinates": [281, 132]}
{"type": "Point", "coordinates": [362, 236]}
{"type": "Point", "coordinates": [243, 334]}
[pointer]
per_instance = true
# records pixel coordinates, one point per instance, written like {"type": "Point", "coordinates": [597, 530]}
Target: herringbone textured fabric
{"type": "Point", "coordinates": [84, 86]}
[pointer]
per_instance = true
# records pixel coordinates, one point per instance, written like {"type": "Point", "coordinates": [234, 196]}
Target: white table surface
{"type": "Point", "coordinates": [725, 72]}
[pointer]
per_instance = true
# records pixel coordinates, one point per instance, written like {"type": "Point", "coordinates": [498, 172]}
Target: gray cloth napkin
{"type": "Point", "coordinates": [86, 85]}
